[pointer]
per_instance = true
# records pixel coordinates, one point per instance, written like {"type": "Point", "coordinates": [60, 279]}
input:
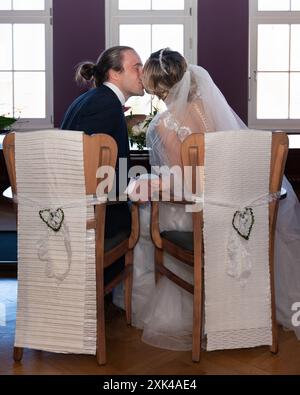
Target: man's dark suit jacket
{"type": "Point", "coordinates": [100, 111]}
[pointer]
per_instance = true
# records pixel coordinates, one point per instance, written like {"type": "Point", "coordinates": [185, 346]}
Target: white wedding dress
{"type": "Point", "coordinates": [164, 311]}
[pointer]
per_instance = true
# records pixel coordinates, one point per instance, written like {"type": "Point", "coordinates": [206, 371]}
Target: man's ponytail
{"type": "Point", "coordinates": [97, 73]}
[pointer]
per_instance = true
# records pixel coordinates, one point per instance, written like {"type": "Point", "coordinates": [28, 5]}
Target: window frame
{"type": "Point", "coordinates": [41, 17]}
{"type": "Point", "coordinates": [265, 17]}
{"type": "Point", "coordinates": [187, 17]}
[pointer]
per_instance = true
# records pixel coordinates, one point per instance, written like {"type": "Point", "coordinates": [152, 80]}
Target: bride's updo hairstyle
{"type": "Point", "coordinates": [97, 73]}
{"type": "Point", "coordinates": [162, 71]}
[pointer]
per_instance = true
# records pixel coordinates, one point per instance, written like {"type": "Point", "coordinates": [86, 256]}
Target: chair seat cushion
{"type": "Point", "coordinates": [181, 239]}
{"type": "Point", "coordinates": [112, 242]}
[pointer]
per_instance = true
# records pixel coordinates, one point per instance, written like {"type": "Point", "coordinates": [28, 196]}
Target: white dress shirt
{"type": "Point", "coordinates": [117, 91]}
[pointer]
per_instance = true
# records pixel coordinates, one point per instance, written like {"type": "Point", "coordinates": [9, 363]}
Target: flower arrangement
{"type": "Point", "coordinates": [137, 128]}
{"type": "Point", "coordinates": [6, 122]}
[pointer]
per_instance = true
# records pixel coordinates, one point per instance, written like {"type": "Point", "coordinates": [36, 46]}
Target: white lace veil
{"type": "Point", "coordinates": [194, 105]}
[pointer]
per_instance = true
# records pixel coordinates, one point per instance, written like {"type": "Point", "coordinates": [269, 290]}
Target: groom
{"type": "Point", "coordinates": [116, 77]}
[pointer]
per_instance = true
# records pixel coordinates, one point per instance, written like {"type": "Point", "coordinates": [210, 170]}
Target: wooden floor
{"type": "Point", "coordinates": [127, 354]}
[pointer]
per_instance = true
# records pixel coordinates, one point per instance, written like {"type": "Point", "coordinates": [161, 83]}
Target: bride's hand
{"type": "Point", "coordinates": [143, 188]}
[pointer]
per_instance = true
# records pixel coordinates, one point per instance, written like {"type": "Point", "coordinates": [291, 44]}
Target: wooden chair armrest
{"type": "Point", "coordinates": [155, 231]}
{"type": "Point", "coordinates": [135, 225]}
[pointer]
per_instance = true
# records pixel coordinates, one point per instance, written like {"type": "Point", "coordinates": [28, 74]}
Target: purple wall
{"type": "Point", "coordinates": [79, 34]}
{"type": "Point", "coordinates": [223, 48]}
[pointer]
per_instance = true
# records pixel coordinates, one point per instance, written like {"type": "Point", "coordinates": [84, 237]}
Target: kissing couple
{"type": "Point", "coordinates": [194, 104]}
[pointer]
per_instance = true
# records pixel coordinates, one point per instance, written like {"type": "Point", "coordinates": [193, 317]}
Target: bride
{"type": "Point", "coordinates": [194, 104]}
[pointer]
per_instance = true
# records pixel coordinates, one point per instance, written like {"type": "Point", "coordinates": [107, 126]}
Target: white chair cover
{"type": "Point", "coordinates": [237, 279]}
{"type": "Point", "coordinates": [56, 308]}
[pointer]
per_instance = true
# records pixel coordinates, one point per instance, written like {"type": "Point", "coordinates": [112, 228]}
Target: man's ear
{"type": "Point", "coordinates": [113, 75]}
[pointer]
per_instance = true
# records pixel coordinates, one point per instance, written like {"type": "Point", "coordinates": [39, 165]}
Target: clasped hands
{"type": "Point", "coordinates": [144, 188]}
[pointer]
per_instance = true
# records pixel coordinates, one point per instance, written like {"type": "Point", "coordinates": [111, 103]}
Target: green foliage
{"type": "Point", "coordinates": [140, 140]}
{"type": "Point", "coordinates": [137, 133]}
{"type": "Point", "coordinates": [5, 122]}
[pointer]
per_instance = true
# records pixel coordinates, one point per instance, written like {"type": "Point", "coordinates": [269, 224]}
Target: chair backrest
{"type": "Point", "coordinates": [98, 150]}
{"type": "Point", "coordinates": [193, 154]}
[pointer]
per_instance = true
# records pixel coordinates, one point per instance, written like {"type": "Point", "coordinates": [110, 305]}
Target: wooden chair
{"type": "Point", "coordinates": [99, 150]}
{"type": "Point", "coordinates": [188, 246]}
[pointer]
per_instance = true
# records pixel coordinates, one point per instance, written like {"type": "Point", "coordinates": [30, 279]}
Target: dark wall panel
{"type": "Point", "coordinates": [79, 34]}
{"type": "Point", "coordinates": [223, 48]}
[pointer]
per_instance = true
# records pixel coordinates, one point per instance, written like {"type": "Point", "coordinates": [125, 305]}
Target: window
{"type": "Point", "coordinates": [274, 80]}
{"type": "Point", "coordinates": [147, 26]}
{"type": "Point", "coordinates": [26, 62]}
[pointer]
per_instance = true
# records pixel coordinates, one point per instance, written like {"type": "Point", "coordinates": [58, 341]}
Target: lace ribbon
{"type": "Point", "coordinates": [238, 261]}
{"type": "Point", "coordinates": [43, 242]}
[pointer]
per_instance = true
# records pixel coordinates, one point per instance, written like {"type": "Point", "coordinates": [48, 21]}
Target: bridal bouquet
{"type": "Point", "coordinates": [137, 128]}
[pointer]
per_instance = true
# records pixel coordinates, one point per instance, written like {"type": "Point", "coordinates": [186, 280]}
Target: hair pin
{"type": "Point", "coordinates": [161, 61]}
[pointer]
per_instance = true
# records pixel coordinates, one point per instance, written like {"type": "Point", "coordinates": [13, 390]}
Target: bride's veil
{"type": "Point", "coordinates": [195, 86]}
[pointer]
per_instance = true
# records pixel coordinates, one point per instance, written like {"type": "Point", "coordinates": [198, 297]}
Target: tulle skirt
{"type": "Point", "coordinates": [287, 259]}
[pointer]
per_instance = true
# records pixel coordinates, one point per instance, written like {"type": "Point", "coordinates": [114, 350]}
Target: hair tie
{"type": "Point", "coordinates": [94, 69]}
{"type": "Point", "coordinates": [161, 61]}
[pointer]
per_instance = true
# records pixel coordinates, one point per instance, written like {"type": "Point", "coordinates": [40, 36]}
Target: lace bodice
{"type": "Point", "coordinates": [171, 123]}
{"type": "Point", "coordinates": [194, 105]}
{"type": "Point", "coordinates": [195, 121]}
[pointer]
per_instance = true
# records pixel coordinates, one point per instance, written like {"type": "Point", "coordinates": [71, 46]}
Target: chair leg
{"type": "Point", "coordinates": [274, 346]}
{"type": "Point", "coordinates": [198, 296]}
{"type": "Point", "coordinates": [128, 286]}
{"type": "Point", "coordinates": [18, 354]}
{"type": "Point", "coordinates": [197, 323]}
{"type": "Point", "coordinates": [101, 340]}
{"type": "Point", "coordinates": [159, 262]}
